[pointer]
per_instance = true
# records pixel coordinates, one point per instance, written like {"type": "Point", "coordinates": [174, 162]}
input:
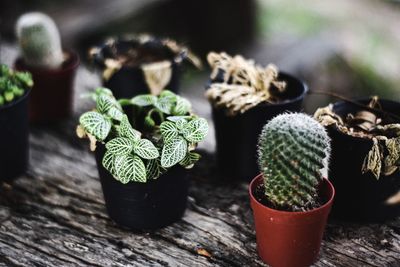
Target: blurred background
{"type": "Point", "coordinates": [351, 47]}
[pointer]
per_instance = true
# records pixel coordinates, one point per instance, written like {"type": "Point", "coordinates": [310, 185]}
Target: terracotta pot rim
{"type": "Point", "coordinates": [73, 63]}
{"type": "Point", "coordinates": [322, 207]}
{"type": "Point", "coordinates": [17, 101]}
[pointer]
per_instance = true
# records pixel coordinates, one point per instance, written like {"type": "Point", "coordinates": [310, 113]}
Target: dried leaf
{"type": "Point", "coordinates": [203, 252]}
{"type": "Point", "coordinates": [157, 75]}
{"type": "Point", "coordinates": [373, 161]}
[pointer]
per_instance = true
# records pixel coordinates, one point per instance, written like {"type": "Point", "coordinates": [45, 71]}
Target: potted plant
{"type": "Point", "coordinates": [53, 70]}
{"type": "Point", "coordinates": [244, 96]}
{"type": "Point", "coordinates": [141, 64]}
{"type": "Point", "coordinates": [290, 198]}
{"type": "Point", "coordinates": [14, 91]}
{"type": "Point", "coordinates": [365, 158]}
{"type": "Point", "coordinates": [142, 158]}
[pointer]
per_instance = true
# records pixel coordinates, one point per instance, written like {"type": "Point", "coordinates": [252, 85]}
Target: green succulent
{"type": "Point", "coordinates": [13, 84]}
{"type": "Point", "coordinates": [171, 129]}
{"type": "Point", "coordinates": [293, 149]}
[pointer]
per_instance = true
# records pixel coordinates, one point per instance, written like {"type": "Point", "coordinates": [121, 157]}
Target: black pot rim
{"type": "Point", "coordinates": [287, 101]}
{"type": "Point", "coordinates": [17, 101]}
{"type": "Point", "coordinates": [73, 63]}
{"type": "Point", "coordinates": [177, 59]}
{"type": "Point", "coordinates": [342, 102]}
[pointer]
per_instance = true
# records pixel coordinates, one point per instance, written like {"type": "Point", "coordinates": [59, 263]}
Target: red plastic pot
{"type": "Point", "coordinates": [290, 239]}
{"type": "Point", "coordinates": [52, 93]}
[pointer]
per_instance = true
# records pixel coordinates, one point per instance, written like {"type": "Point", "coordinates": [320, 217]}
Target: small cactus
{"type": "Point", "coordinates": [13, 84]}
{"type": "Point", "coordinates": [39, 40]}
{"type": "Point", "coordinates": [293, 149]}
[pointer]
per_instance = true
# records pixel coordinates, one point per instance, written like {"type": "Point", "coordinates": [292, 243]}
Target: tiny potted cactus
{"type": "Point", "coordinates": [290, 198]}
{"type": "Point", "coordinates": [142, 158]}
{"type": "Point", "coordinates": [244, 96]}
{"type": "Point", "coordinates": [53, 70]}
{"type": "Point", "coordinates": [141, 64]}
{"type": "Point", "coordinates": [365, 158]}
{"type": "Point", "coordinates": [14, 91]}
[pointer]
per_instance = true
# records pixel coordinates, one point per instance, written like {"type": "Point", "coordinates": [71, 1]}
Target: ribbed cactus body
{"type": "Point", "coordinates": [293, 149]}
{"type": "Point", "coordinates": [39, 40]}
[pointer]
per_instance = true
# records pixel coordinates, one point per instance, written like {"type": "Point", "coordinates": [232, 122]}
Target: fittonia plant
{"type": "Point", "coordinates": [169, 134]}
{"type": "Point", "coordinates": [13, 84]}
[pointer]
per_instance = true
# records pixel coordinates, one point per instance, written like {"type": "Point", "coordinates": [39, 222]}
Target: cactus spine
{"type": "Point", "coordinates": [293, 149]}
{"type": "Point", "coordinates": [39, 40]}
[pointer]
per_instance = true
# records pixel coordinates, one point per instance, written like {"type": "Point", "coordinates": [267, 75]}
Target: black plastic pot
{"type": "Point", "coordinates": [144, 206]}
{"type": "Point", "coordinates": [130, 80]}
{"type": "Point", "coordinates": [237, 136]}
{"type": "Point", "coordinates": [360, 197]}
{"type": "Point", "coordinates": [14, 143]}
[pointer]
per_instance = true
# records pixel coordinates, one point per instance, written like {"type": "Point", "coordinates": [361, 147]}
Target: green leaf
{"type": "Point", "coordinates": [181, 124]}
{"type": "Point", "coordinates": [126, 130]}
{"type": "Point", "coordinates": [182, 106]}
{"type": "Point", "coordinates": [177, 118]}
{"type": "Point", "coordinates": [108, 162]}
{"type": "Point", "coordinates": [145, 149]}
{"type": "Point", "coordinates": [174, 151]}
{"type": "Point", "coordinates": [168, 130]}
{"type": "Point", "coordinates": [115, 113]}
{"type": "Point", "coordinates": [196, 130]}
{"type": "Point", "coordinates": [129, 168]}
{"type": "Point", "coordinates": [104, 103]}
{"type": "Point", "coordinates": [166, 103]}
{"type": "Point", "coordinates": [120, 146]}
{"type": "Point", "coordinates": [190, 159]}
{"type": "Point", "coordinates": [144, 100]}
{"type": "Point", "coordinates": [95, 124]}
{"type": "Point", "coordinates": [154, 169]}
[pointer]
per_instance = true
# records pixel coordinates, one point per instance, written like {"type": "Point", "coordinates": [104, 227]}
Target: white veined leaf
{"type": "Point", "coordinates": [126, 130]}
{"type": "Point", "coordinates": [181, 124]}
{"type": "Point", "coordinates": [104, 103]}
{"type": "Point", "coordinates": [95, 124]}
{"type": "Point", "coordinates": [196, 130]}
{"type": "Point", "coordinates": [115, 113]}
{"type": "Point", "coordinates": [120, 146]}
{"type": "Point", "coordinates": [130, 168]}
{"type": "Point", "coordinates": [190, 159]}
{"type": "Point", "coordinates": [149, 122]}
{"type": "Point", "coordinates": [145, 149]}
{"type": "Point", "coordinates": [174, 151]}
{"type": "Point", "coordinates": [144, 100]}
{"type": "Point", "coordinates": [168, 130]}
{"type": "Point", "coordinates": [177, 118]}
{"type": "Point", "coordinates": [165, 103]}
{"type": "Point", "coordinates": [182, 106]}
{"type": "Point", "coordinates": [108, 162]}
{"type": "Point", "coordinates": [154, 169]}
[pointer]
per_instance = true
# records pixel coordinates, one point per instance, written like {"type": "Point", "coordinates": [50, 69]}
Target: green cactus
{"type": "Point", "coordinates": [39, 40]}
{"type": "Point", "coordinates": [293, 150]}
{"type": "Point", "coordinates": [13, 84]}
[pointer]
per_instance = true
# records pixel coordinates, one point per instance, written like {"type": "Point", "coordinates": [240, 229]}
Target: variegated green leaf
{"type": "Point", "coordinates": [126, 130]}
{"type": "Point", "coordinates": [181, 124]}
{"type": "Point", "coordinates": [196, 130]}
{"type": "Point", "coordinates": [120, 146]}
{"type": "Point", "coordinates": [108, 162]}
{"type": "Point", "coordinates": [144, 100]}
{"type": "Point", "coordinates": [177, 118]}
{"type": "Point", "coordinates": [95, 124]}
{"type": "Point", "coordinates": [145, 149]}
{"type": "Point", "coordinates": [174, 151]}
{"type": "Point", "coordinates": [130, 168]}
{"type": "Point", "coordinates": [104, 103]}
{"type": "Point", "coordinates": [154, 169]}
{"type": "Point", "coordinates": [166, 103]}
{"type": "Point", "coordinates": [115, 113]}
{"type": "Point", "coordinates": [168, 130]}
{"type": "Point", "coordinates": [182, 106]}
{"type": "Point", "coordinates": [149, 122]}
{"type": "Point", "coordinates": [190, 159]}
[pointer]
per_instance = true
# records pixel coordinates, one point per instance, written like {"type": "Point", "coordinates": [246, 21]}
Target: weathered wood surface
{"type": "Point", "coordinates": [55, 216]}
